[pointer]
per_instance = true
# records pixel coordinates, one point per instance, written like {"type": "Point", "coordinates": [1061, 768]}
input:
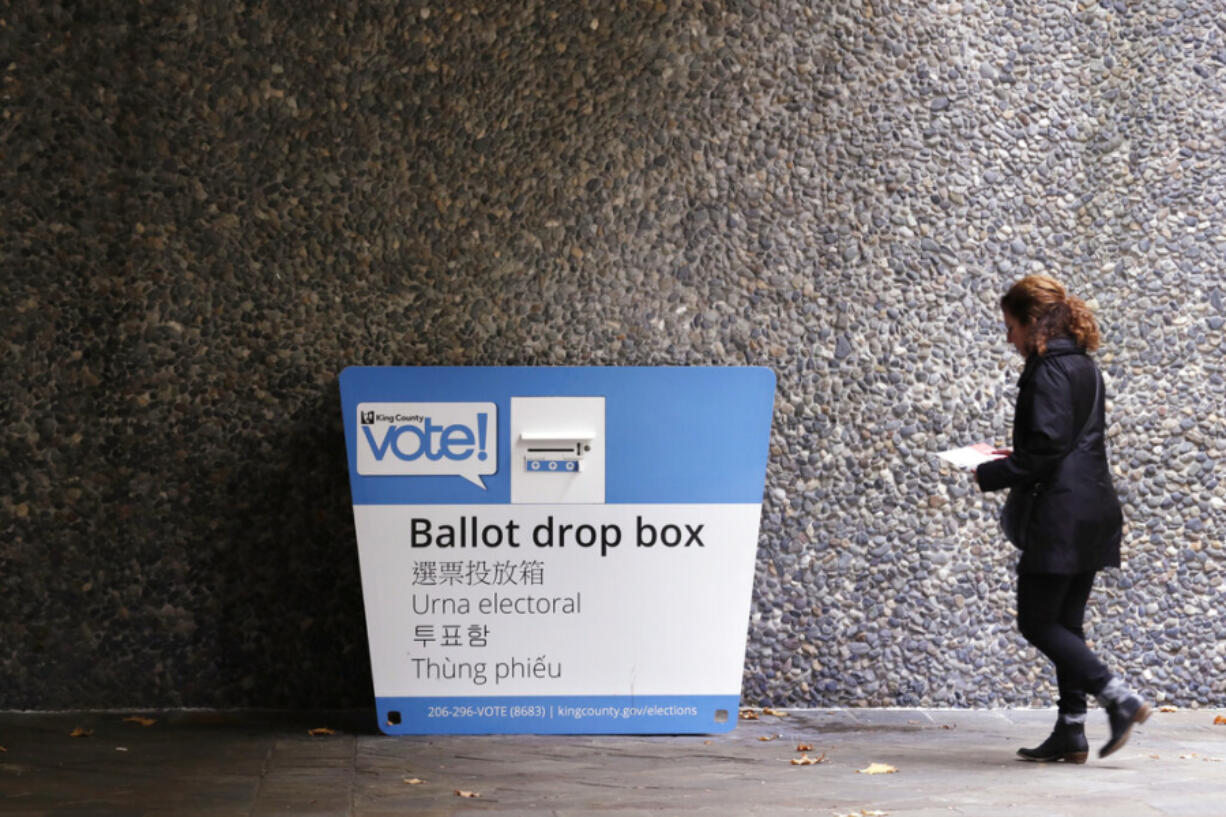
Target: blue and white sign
{"type": "Point", "coordinates": [557, 550]}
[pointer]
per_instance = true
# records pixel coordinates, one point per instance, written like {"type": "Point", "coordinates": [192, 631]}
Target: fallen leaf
{"type": "Point", "coordinates": [877, 768]}
{"type": "Point", "coordinates": [140, 720]}
{"type": "Point", "coordinates": [748, 715]}
{"type": "Point", "coordinates": [321, 730]}
{"type": "Point", "coordinates": [707, 742]}
{"type": "Point", "coordinates": [768, 737]}
{"type": "Point", "coordinates": [949, 726]}
{"type": "Point", "coordinates": [1155, 757]}
{"type": "Point", "coordinates": [805, 760]}
{"type": "Point", "coordinates": [873, 813]}
{"type": "Point", "coordinates": [1166, 709]}
{"type": "Point", "coordinates": [804, 747]}
{"type": "Point", "coordinates": [778, 713]}
{"type": "Point", "coordinates": [414, 781]}
{"type": "Point", "coordinates": [80, 733]}
{"type": "Point", "coordinates": [1219, 721]}
{"type": "Point", "coordinates": [1191, 756]}
{"type": "Point", "coordinates": [459, 793]}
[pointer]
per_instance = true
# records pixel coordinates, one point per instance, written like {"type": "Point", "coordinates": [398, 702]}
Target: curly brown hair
{"type": "Point", "coordinates": [1039, 301]}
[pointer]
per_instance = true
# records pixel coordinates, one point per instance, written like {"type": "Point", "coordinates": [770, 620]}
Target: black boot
{"type": "Point", "coordinates": [1066, 742]}
{"type": "Point", "coordinates": [1122, 714]}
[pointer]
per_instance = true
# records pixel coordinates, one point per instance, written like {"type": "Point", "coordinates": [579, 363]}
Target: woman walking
{"type": "Point", "coordinates": [1068, 521]}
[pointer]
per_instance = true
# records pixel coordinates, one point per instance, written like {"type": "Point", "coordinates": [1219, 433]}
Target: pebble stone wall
{"type": "Point", "coordinates": [208, 209]}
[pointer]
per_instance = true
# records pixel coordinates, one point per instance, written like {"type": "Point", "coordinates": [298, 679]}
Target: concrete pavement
{"type": "Point", "coordinates": [947, 762]}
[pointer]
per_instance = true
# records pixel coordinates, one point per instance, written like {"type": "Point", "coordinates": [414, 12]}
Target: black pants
{"type": "Point", "coordinates": [1050, 611]}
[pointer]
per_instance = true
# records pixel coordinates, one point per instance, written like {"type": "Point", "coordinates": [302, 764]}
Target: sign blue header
{"type": "Point", "coordinates": [442, 435]}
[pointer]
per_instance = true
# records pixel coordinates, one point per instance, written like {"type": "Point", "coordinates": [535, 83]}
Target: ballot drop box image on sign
{"type": "Point", "coordinates": [557, 550]}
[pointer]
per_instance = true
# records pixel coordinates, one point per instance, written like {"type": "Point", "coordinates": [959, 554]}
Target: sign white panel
{"type": "Point", "coordinates": [493, 590]}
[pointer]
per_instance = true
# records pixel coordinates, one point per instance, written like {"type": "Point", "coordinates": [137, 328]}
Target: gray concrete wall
{"type": "Point", "coordinates": [208, 209]}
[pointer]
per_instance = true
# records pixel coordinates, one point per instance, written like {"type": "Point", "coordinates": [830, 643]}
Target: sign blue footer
{"type": "Point", "coordinates": [562, 714]}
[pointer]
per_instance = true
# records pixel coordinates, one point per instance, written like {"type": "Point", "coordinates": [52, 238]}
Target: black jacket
{"type": "Point", "coordinates": [1076, 524]}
